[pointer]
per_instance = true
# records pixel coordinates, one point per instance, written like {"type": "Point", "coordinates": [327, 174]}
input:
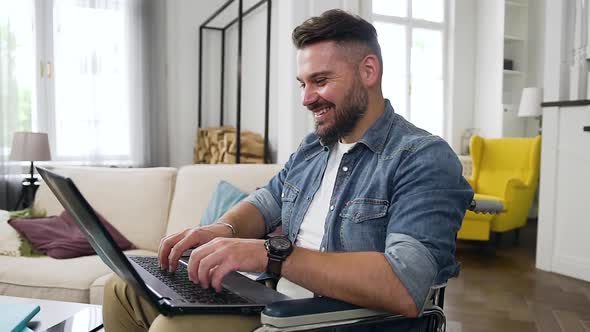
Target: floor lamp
{"type": "Point", "coordinates": [530, 104]}
{"type": "Point", "coordinates": [29, 146]}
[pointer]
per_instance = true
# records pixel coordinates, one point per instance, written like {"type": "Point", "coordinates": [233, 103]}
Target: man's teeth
{"type": "Point", "coordinates": [322, 112]}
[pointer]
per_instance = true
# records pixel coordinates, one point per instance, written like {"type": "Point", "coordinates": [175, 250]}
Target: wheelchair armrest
{"type": "Point", "coordinates": [317, 310]}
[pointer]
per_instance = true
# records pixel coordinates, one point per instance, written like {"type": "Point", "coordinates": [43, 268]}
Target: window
{"type": "Point", "coordinates": [412, 38]}
{"type": "Point", "coordinates": [17, 66]}
{"type": "Point", "coordinates": [78, 69]}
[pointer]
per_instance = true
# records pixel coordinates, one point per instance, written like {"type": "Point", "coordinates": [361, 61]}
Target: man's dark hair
{"type": "Point", "coordinates": [341, 27]}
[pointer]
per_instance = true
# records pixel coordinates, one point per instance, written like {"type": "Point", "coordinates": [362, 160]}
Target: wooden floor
{"type": "Point", "coordinates": [499, 289]}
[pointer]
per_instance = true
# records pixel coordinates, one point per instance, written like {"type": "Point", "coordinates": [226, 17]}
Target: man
{"type": "Point", "coordinates": [371, 203]}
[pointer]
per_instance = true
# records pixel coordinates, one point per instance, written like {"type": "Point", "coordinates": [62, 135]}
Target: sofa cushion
{"type": "Point", "coordinates": [225, 196]}
{"type": "Point", "coordinates": [196, 184]}
{"type": "Point", "coordinates": [53, 279]}
{"type": "Point", "coordinates": [60, 237]}
{"type": "Point", "coordinates": [96, 291]}
{"type": "Point", "coordinates": [136, 201]}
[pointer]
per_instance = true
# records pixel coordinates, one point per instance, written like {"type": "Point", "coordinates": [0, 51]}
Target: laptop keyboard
{"type": "Point", "coordinates": [179, 282]}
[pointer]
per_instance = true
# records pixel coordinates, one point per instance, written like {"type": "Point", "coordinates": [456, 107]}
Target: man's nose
{"type": "Point", "coordinates": [308, 96]}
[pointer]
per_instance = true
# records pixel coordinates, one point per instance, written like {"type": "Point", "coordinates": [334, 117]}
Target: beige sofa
{"type": "Point", "coordinates": [143, 204]}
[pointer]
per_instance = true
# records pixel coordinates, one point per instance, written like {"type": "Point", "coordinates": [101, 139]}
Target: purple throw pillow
{"type": "Point", "coordinates": [60, 237]}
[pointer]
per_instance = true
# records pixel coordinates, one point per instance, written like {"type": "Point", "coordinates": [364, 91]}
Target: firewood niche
{"type": "Point", "coordinates": [218, 146]}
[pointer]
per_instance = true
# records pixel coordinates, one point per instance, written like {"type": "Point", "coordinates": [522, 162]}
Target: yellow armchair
{"type": "Point", "coordinates": [506, 170]}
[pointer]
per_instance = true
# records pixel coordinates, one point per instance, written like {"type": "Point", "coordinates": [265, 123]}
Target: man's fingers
{"type": "Point", "coordinates": [213, 260]}
{"type": "Point", "coordinates": [217, 274]}
{"type": "Point", "coordinates": [196, 256]}
{"type": "Point", "coordinates": [166, 245]}
{"type": "Point", "coordinates": [191, 239]}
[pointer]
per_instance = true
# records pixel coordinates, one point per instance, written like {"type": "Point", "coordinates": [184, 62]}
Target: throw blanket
{"type": "Point", "coordinates": [9, 239]}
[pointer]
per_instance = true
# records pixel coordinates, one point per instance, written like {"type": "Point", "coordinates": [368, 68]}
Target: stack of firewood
{"type": "Point", "coordinates": [218, 146]}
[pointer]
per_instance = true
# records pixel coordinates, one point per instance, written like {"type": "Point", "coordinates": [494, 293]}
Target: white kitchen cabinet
{"type": "Point", "coordinates": [564, 198]}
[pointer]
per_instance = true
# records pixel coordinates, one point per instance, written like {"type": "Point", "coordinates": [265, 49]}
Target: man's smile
{"type": "Point", "coordinates": [320, 113]}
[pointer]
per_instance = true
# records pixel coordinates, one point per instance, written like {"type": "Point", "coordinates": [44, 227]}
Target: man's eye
{"type": "Point", "coordinates": [302, 85]}
{"type": "Point", "coordinates": [320, 81]}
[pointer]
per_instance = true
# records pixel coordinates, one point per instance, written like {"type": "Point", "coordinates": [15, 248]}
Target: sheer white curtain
{"type": "Point", "coordinates": [17, 86]}
{"type": "Point", "coordinates": [100, 89]}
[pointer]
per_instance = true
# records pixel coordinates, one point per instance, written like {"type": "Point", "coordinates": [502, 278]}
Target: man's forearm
{"type": "Point", "coordinates": [246, 220]}
{"type": "Point", "coordinates": [361, 278]}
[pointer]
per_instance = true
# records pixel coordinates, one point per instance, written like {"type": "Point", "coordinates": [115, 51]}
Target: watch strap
{"type": "Point", "coordinates": [274, 267]}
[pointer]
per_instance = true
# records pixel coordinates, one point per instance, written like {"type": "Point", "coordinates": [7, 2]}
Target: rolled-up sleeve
{"type": "Point", "coordinates": [268, 198]}
{"type": "Point", "coordinates": [428, 205]}
{"type": "Point", "coordinates": [268, 206]}
{"type": "Point", "coordinates": [413, 264]}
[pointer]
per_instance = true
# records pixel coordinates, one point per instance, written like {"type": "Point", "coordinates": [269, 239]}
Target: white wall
{"type": "Point", "coordinates": [488, 79]}
{"type": "Point", "coordinates": [157, 148]}
{"type": "Point", "coordinates": [461, 70]}
{"type": "Point", "coordinates": [536, 57]}
{"type": "Point", "coordinates": [183, 18]}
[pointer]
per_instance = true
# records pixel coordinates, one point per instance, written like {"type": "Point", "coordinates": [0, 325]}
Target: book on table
{"type": "Point", "coordinates": [16, 316]}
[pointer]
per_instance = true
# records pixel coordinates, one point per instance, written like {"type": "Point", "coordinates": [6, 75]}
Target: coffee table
{"type": "Point", "coordinates": [61, 316]}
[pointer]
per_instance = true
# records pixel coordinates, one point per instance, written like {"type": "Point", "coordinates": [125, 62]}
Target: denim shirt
{"type": "Point", "coordinates": [399, 191]}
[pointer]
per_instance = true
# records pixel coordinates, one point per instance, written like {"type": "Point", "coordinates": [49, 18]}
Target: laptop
{"type": "Point", "coordinates": [171, 293]}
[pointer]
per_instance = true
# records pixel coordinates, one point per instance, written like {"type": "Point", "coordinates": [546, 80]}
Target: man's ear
{"type": "Point", "coordinates": [369, 70]}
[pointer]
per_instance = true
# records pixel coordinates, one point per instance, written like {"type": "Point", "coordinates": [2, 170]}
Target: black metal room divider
{"type": "Point", "coordinates": [239, 20]}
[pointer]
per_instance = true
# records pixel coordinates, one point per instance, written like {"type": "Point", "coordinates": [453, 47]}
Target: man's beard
{"type": "Point", "coordinates": [346, 117]}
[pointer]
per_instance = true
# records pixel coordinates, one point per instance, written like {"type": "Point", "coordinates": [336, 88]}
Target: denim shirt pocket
{"type": "Point", "coordinates": [288, 199]}
{"type": "Point", "coordinates": [363, 224]}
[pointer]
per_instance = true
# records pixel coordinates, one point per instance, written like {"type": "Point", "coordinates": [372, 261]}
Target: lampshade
{"type": "Point", "coordinates": [530, 102]}
{"type": "Point", "coordinates": [27, 146]}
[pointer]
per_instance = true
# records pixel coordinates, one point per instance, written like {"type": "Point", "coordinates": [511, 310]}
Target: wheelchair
{"type": "Point", "coordinates": [322, 313]}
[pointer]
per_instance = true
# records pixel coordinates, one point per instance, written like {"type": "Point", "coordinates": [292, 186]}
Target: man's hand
{"type": "Point", "coordinates": [211, 262]}
{"type": "Point", "coordinates": [173, 246]}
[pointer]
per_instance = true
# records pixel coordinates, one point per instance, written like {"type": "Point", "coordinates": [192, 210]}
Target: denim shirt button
{"type": "Point", "coordinates": [322, 249]}
{"type": "Point", "coordinates": [331, 207]}
{"type": "Point", "coordinates": [283, 195]}
{"type": "Point", "coordinates": [345, 168]}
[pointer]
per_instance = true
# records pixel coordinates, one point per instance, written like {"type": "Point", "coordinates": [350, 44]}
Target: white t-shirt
{"type": "Point", "coordinates": [311, 231]}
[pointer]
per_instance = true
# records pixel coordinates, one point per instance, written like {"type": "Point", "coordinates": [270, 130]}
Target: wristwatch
{"type": "Point", "coordinates": [278, 248]}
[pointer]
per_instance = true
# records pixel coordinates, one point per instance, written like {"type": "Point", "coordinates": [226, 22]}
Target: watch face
{"type": "Point", "coordinates": [280, 243]}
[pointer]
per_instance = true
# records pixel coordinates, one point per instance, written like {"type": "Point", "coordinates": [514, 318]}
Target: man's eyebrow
{"type": "Point", "coordinates": [315, 75]}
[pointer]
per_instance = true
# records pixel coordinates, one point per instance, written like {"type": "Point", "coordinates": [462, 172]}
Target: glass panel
{"type": "Point", "coordinates": [91, 91]}
{"type": "Point", "coordinates": [391, 7]}
{"type": "Point", "coordinates": [427, 80]}
{"type": "Point", "coordinates": [18, 69]}
{"type": "Point", "coordinates": [392, 38]}
{"type": "Point", "coordinates": [429, 10]}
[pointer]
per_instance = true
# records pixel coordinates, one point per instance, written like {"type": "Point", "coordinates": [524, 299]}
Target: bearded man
{"type": "Point", "coordinates": [369, 203]}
